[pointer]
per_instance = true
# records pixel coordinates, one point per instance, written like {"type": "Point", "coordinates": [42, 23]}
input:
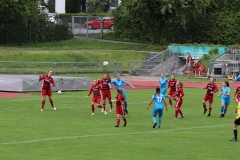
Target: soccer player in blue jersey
{"type": "Point", "coordinates": [225, 99]}
{"type": "Point", "coordinates": [118, 82]}
{"type": "Point", "coordinates": [158, 99]}
{"type": "Point", "coordinates": [163, 81]}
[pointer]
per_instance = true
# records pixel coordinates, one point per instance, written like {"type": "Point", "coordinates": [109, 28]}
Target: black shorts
{"type": "Point", "coordinates": [237, 121]}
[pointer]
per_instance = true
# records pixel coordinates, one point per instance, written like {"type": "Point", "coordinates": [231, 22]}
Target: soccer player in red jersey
{"type": "Point", "coordinates": [172, 85]}
{"type": "Point", "coordinates": [120, 107]}
{"type": "Point", "coordinates": [179, 99]}
{"type": "Point", "coordinates": [237, 97]}
{"type": "Point", "coordinates": [46, 88]}
{"type": "Point", "coordinates": [211, 89]}
{"type": "Point", "coordinates": [106, 93]}
{"type": "Point", "coordinates": [96, 99]}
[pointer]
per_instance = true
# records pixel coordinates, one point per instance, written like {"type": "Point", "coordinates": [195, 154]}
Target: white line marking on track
{"type": "Point", "coordinates": [103, 135]}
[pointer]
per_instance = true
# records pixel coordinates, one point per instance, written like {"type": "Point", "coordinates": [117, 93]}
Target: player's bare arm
{"type": "Point", "coordinates": [150, 103]}
{"type": "Point", "coordinates": [164, 101]}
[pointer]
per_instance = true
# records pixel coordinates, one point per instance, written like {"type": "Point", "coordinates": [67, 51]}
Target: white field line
{"type": "Point", "coordinates": [48, 108]}
{"type": "Point", "coordinates": [104, 135]}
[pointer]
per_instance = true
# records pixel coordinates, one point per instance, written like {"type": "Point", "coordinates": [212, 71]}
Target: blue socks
{"type": "Point", "coordinates": [159, 121]}
{"type": "Point", "coordinates": [222, 110]}
{"type": "Point", "coordinates": [154, 119]}
{"type": "Point", "coordinates": [225, 111]}
{"type": "Point", "coordinates": [125, 104]}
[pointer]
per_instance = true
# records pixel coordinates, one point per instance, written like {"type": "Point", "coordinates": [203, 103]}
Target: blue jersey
{"type": "Point", "coordinates": [225, 90]}
{"type": "Point", "coordinates": [237, 78]}
{"type": "Point", "coordinates": [158, 100]}
{"type": "Point", "coordinates": [163, 82]}
{"type": "Point", "coordinates": [119, 83]}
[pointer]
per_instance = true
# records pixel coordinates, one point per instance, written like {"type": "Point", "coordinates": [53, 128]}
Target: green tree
{"type": "Point", "coordinates": [24, 20]}
{"type": "Point", "coordinates": [179, 21]}
{"type": "Point", "coordinates": [98, 6]}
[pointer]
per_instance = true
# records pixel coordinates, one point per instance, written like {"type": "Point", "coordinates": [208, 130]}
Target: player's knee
{"type": "Point", "coordinates": [92, 103]}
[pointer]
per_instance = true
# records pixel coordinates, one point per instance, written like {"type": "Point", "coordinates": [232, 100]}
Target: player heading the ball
{"type": "Point", "coordinates": [46, 88]}
{"type": "Point", "coordinates": [106, 93]}
{"type": "Point", "coordinates": [118, 83]}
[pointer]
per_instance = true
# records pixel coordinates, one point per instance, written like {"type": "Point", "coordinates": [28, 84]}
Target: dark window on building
{"type": "Point", "coordinates": [114, 3]}
{"type": "Point", "coordinates": [218, 71]}
{"type": "Point", "coordinates": [51, 5]}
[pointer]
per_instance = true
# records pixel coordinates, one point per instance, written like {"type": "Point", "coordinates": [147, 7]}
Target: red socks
{"type": "Point", "coordinates": [210, 110]}
{"type": "Point", "coordinates": [170, 101]}
{"type": "Point", "coordinates": [204, 106]}
{"type": "Point", "coordinates": [93, 108]}
{"type": "Point", "coordinates": [124, 119]}
{"type": "Point", "coordinates": [118, 120]}
{"type": "Point", "coordinates": [43, 103]}
{"type": "Point", "coordinates": [178, 110]}
{"type": "Point", "coordinates": [51, 101]}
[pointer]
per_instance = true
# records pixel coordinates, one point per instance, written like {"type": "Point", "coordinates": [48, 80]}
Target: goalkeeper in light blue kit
{"type": "Point", "coordinates": [118, 82]}
{"type": "Point", "coordinates": [163, 83]}
{"type": "Point", "coordinates": [158, 99]}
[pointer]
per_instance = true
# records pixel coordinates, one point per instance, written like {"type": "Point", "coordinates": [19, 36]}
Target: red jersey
{"type": "Point", "coordinates": [119, 99]}
{"type": "Point", "coordinates": [96, 90]}
{"type": "Point", "coordinates": [211, 87]}
{"type": "Point", "coordinates": [179, 92]}
{"type": "Point", "coordinates": [172, 85]}
{"type": "Point", "coordinates": [237, 92]}
{"type": "Point", "coordinates": [47, 81]}
{"type": "Point", "coordinates": [105, 86]}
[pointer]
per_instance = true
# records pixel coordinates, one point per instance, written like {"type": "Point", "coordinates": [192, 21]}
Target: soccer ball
{"type": "Point", "coordinates": [59, 92]}
{"type": "Point", "coordinates": [105, 63]}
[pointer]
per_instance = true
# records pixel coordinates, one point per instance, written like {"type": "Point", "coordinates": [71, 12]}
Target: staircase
{"type": "Point", "coordinates": [152, 60]}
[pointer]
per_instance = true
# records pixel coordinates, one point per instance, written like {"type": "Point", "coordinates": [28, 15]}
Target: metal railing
{"type": "Point", "coordinates": [146, 66]}
{"type": "Point", "coordinates": [17, 67]}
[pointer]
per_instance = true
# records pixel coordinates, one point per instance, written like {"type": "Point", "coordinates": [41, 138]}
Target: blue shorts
{"type": "Point", "coordinates": [226, 101]}
{"type": "Point", "coordinates": [158, 111]}
{"type": "Point", "coordinates": [163, 91]}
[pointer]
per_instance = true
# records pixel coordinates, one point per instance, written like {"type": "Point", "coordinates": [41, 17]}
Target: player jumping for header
{"type": "Point", "coordinates": [118, 82]}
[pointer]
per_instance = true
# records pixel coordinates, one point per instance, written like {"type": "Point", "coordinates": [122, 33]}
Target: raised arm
{"type": "Point", "coordinates": [112, 82]}
{"type": "Point", "coordinates": [128, 84]}
{"type": "Point", "coordinates": [41, 77]}
{"type": "Point", "coordinates": [237, 78]}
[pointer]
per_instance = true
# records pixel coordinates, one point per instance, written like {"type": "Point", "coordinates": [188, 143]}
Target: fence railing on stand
{"type": "Point", "coordinates": [16, 67]}
{"type": "Point", "coordinates": [145, 67]}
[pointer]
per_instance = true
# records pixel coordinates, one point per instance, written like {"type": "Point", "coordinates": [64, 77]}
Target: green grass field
{"type": "Point", "coordinates": [72, 133]}
{"type": "Point", "coordinates": [78, 44]}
